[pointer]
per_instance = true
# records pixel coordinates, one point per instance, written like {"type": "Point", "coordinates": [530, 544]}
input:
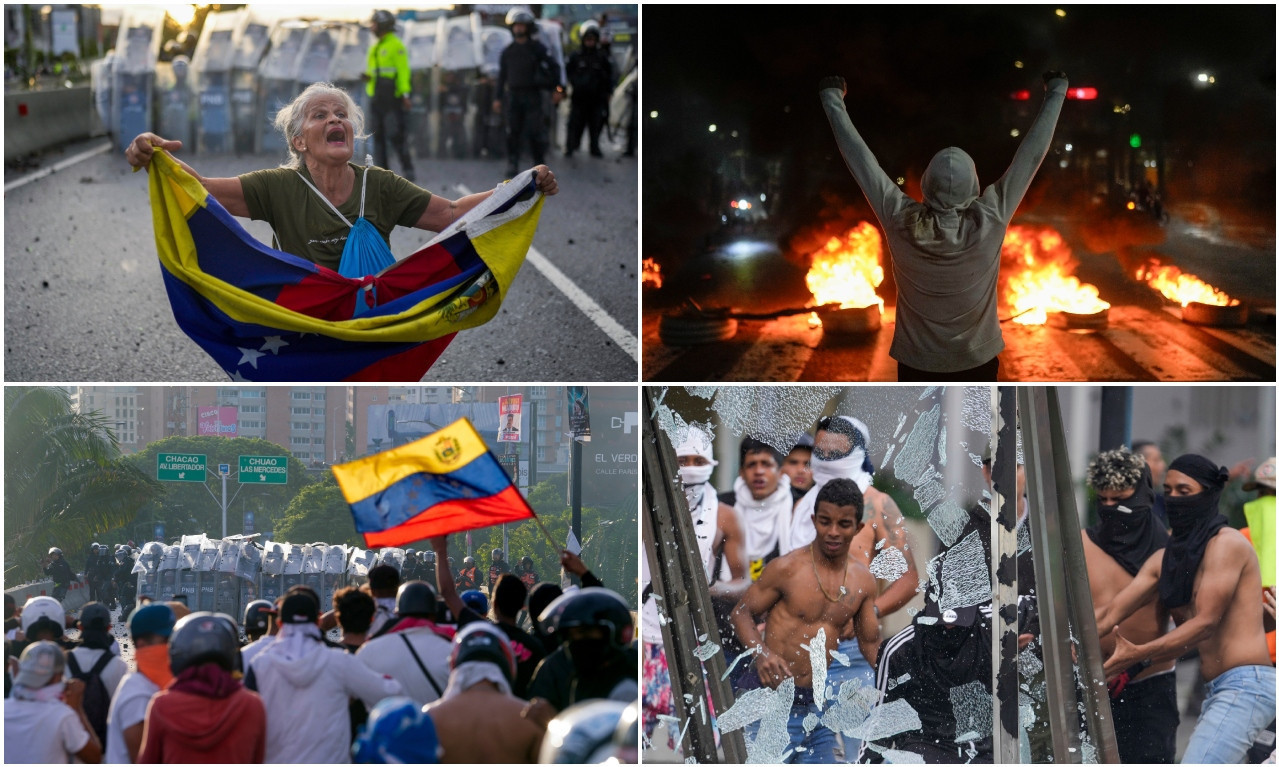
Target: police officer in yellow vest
{"type": "Point", "coordinates": [388, 89]}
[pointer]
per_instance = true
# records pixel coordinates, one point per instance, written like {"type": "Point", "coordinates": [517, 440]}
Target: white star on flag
{"type": "Point", "coordinates": [273, 344]}
{"type": "Point", "coordinates": [250, 356]}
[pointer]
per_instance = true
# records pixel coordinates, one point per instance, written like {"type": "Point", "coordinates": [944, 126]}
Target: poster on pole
{"type": "Point", "coordinates": [510, 418]}
{"type": "Point", "coordinates": [579, 414]}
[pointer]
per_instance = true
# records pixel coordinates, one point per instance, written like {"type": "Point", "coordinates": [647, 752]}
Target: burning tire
{"type": "Point", "coordinates": [694, 329]}
{"type": "Point", "coordinates": [1232, 316]}
{"type": "Point", "coordinates": [851, 323]}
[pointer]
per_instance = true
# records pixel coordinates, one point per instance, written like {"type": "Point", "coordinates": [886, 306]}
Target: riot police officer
{"type": "Point", "coordinates": [388, 90]}
{"type": "Point", "coordinates": [497, 568]}
{"type": "Point", "coordinates": [526, 69]}
{"type": "Point", "coordinates": [590, 73]}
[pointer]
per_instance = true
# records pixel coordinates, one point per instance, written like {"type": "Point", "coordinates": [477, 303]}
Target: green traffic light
{"type": "Point", "coordinates": [1134, 141]}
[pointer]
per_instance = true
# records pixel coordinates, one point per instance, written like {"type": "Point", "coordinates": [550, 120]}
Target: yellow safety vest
{"type": "Point", "coordinates": [390, 59]}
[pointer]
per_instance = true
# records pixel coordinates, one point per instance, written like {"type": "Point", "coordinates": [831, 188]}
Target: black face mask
{"type": "Point", "coordinates": [1195, 522]}
{"type": "Point", "coordinates": [588, 655]}
{"type": "Point", "coordinates": [1131, 536]}
{"type": "Point", "coordinates": [1186, 512]}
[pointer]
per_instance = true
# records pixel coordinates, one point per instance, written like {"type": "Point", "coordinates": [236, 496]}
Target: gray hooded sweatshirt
{"type": "Point", "coordinates": [945, 250]}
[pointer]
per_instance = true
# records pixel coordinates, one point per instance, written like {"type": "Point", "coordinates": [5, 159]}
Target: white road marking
{"type": "Point", "coordinates": [620, 335]}
{"type": "Point", "coordinates": [67, 163]}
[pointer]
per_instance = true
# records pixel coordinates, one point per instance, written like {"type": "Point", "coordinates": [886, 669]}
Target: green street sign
{"type": "Point", "coordinates": [264, 470]}
{"type": "Point", "coordinates": [179, 467]}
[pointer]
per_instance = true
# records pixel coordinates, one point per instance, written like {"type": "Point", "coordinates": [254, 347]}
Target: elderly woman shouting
{"type": "Point", "coordinates": [312, 200]}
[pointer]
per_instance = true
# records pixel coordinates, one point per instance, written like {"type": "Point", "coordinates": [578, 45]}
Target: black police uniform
{"type": "Point", "coordinates": [526, 70]}
{"type": "Point", "coordinates": [590, 72]}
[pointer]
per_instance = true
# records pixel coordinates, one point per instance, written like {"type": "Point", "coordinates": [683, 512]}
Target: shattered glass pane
{"type": "Point", "coordinates": [918, 451]}
{"type": "Point", "coordinates": [772, 414]}
{"type": "Point", "coordinates": [977, 413]}
{"type": "Point", "coordinates": [894, 756]}
{"type": "Point", "coordinates": [817, 657]}
{"type": "Point", "coordinates": [974, 711]}
{"type": "Point", "coordinates": [885, 721]}
{"type": "Point", "coordinates": [769, 743]}
{"type": "Point", "coordinates": [889, 564]}
{"type": "Point", "coordinates": [1029, 664]}
{"type": "Point", "coordinates": [1023, 539]}
{"type": "Point", "coordinates": [927, 393]}
{"type": "Point", "coordinates": [947, 519]}
{"type": "Point", "coordinates": [929, 493]}
{"type": "Point", "coordinates": [965, 574]}
{"type": "Point", "coordinates": [705, 392]}
{"type": "Point", "coordinates": [900, 423]}
{"type": "Point", "coordinates": [705, 650]}
{"type": "Point", "coordinates": [941, 446]}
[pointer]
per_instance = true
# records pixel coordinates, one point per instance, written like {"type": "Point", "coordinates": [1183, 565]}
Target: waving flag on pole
{"type": "Point", "coordinates": [266, 315]}
{"type": "Point", "coordinates": [446, 482]}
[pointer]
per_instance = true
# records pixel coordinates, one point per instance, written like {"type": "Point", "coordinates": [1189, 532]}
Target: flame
{"type": "Point", "coordinates": [1183, 288]}
{"type": "Point", "coordinates": [847, 270]}
{"type": "Point", "coordinates": [1040, 264]}
{"type": "Point", "coordinates": [652, 273]}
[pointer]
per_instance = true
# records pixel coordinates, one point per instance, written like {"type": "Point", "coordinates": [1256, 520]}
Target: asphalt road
{"type": "Point", "coordinates": [84, 299]}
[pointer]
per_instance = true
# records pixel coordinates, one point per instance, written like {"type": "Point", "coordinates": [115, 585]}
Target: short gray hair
{"type": "Point", "coordinates": [1115, 470]}
{"type": "Point", "coordinates": [288, 121]}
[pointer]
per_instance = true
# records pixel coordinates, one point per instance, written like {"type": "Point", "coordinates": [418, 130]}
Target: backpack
{"type": "Point", "coordinates": [97, 698]}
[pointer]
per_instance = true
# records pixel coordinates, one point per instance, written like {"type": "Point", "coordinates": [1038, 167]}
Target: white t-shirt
{"type": "Point", "coordinates": [388, 654]}
{"type": "Point", "coordinates": [41, 733]}
{"type": "Point", "coordinates": [128, 707]}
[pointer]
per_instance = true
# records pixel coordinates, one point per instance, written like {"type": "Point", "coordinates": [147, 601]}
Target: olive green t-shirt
{"type": "Point", "coordinates": [306, 226]}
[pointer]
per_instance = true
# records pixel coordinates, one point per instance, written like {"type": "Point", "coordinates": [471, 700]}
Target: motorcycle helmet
{"type": "Point", "coordinates": [256, 615]}
{"type": "Point", "coordinates": [583, 733]}
{"type": "Point", "coordinates": [416, 598]}
{"type": "Point", "coordinates": [482, 641]}
{"type": "Point", "coordinates": [591, 607]}
{"type": "Point", "coordinates": [398, 731]}
{"type": "Point", "coordinates": [204, 637]}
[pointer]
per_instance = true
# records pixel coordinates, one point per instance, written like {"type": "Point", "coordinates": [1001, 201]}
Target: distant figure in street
{"type": "Point", "coordinates": [945, 250]}
{"type": "Point", "coordinates": [590, 73]}
{"type": "Point", "coordinates": [526, 70]}
{"type": "Point", "coordinates": [56, 567]}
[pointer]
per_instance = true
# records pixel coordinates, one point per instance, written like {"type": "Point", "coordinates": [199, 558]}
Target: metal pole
{"type": "Point", "coordinates": [1116, 417]}
{"type": "Point", "coordinates": [679, 586]}
{"type": "Point", "coordinates": [1003, 532]}
{"type": "Point", "coordinates": [532, 445]}
{"type": "Point", "coordinates": [1061, 580]}
{"type": "Point", "coordinates": [223, 504]}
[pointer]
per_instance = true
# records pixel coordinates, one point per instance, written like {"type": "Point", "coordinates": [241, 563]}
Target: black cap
{"type": "Point", "coordinates": [299, 608]}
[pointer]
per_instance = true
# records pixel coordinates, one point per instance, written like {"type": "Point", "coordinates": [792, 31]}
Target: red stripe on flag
{"type": "Point", "coordinates": [408, 365]}
{"type": "Point", "coordinates": [455, 517]}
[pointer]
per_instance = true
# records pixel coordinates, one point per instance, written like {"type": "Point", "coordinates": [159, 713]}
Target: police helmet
{"type": "Point", "coordinates": [43, 609]}
{"type": "Point", "coordinates": [498, 555]}
{"type": "Point", "coordinates": [468, 562]}
{"type": "Point", "coordinates": [521, 16]}
{"type": "Point", "coordinates": [583, 733]}
{"type": "Point", "coordinates": [122, 556]}
{"type": "Point", "coordinates": [591, 607]}
{"type": "Point", "coordinates": [416, 598]}
{"type": "Point", "coordinates": [482, 641]}
{"type": "Point", "coordinates": [204, 637]}
{"type": "Point", "coordinates": [409, 553]}
{"type": "Point", "coordinates": [589, 27]}
{"type": "Point", "coordinates": [255, 617]}
{"type": "Point", "coordinates": [383, 21]}
{"type": "Point", "coordinates": [526, 561]}
{"type": "Point", "coordinates": [397, 731]}
{"type": "Point", "coordinates": [55, 550]}
{"type": "Point", "coordinates": [475, 599]}
{"type": "Point", "coordinates": [427, 557]}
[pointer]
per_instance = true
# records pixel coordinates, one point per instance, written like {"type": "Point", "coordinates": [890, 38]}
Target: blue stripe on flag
{"type": "Point", "coordinates": [406, 498]}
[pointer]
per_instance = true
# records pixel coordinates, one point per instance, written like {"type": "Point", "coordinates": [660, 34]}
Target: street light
{"type": "Point", "coordinates": [1204, 78]}
{"type": "Point", "coordinates": [712, 128]}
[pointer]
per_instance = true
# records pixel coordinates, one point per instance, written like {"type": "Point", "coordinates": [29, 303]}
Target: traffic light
{"type": "Point", "coordinates": [1082, 94]}
{"type": "Point", "coordinates": [1134, 141]}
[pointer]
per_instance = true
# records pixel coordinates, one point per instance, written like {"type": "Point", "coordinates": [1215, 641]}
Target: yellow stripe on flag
{"type": "Point", "coordinates": [445, 451]}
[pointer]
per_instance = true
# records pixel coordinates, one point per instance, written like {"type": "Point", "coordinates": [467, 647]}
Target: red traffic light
{"type": "Point", "coordinates": [1022, 95]}
{"type": "Point", "coordinates": [1083, 94]}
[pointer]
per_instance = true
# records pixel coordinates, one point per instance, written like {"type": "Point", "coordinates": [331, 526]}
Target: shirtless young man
{"type": "Point", "coordinates": [1208, 579]}
{"type": "Point", "coordinates": [1143, 699]}
{"type": "Point", "coordinates": [817, 588]}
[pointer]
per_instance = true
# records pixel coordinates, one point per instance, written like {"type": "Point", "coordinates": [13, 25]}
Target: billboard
{"type": "Point", "coordinates": [511, 418]}
{"type": "Point", "coordinates": [394, 425]}
{"type": "Point", "coordinates": [218, 422]}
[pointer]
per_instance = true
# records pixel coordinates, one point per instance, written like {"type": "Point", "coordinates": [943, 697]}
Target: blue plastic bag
{"type": "Point", "coordinates": [365, 253]}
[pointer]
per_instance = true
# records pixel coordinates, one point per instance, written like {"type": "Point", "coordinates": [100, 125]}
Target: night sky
{"type": "Point", "coordinates": [920, 79]}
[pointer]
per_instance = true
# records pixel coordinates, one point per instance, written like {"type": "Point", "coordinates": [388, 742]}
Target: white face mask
{"type": "Point", "coordinates": [849, 466]}
{"type": "Point", "coordinates": [695, 475]}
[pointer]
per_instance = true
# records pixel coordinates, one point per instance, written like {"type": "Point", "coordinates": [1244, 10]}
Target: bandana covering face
{"type": "Point", "coordinates": [1194, 520]}
{"type": "Point", "coordinates": [765, 519]}
{"type": "Point", "coordinates": [1128, 531]}
{"type": "Point", "coordinates": [854, 465]}
{"type": "Point", "coordinates": [153, 663]}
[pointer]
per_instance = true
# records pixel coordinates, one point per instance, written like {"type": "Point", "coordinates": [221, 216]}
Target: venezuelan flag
{"type": "Point", "coordinates": [444, 483]}
{"type": "Point", "coordinates": [266, 315]}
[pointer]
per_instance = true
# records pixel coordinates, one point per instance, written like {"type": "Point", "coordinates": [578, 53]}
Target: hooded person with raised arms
{"type": "Point", "coordinates": [945, 250]}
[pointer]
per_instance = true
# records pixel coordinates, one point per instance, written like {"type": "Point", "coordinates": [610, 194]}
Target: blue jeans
{"type": "Point", "coordinates": [819, 745]}
{"type": "Point", "coordinates": [1238, 705]}
{"type": "Point", "coordinates": [837, 675]}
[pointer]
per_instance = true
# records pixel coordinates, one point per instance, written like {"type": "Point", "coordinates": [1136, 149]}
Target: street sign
{"type": "Point", "coordinates": [179, 467]}
{"type": "Point", "coordinates": [264, 470]}
{"type": "Point", "coordinates": [224, 470]}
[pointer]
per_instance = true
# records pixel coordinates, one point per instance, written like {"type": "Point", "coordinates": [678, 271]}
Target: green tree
{"type": "Point", "coordinates": [64, 479]}
{"type": "Point", "coordinates": [318, 513]}
{"type": "Point", "coordinates": [189, 508]}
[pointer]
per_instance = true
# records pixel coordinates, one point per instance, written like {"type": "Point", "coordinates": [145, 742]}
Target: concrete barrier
{"type": "Point", "coordinates": [77, 593]}
{"type": "Point", "coordinates": [38, 120]}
